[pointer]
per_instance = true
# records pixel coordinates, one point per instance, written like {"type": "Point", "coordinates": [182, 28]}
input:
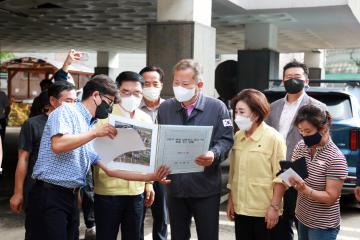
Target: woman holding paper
{"type": "Point", "coordinates": [317, 206]}
{"type": "Point", "coordinates": [255, 198]}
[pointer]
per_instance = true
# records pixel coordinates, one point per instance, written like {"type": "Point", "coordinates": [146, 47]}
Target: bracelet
{"type": "Point", "coordinates": [149, 182]}
{"type": "Point", "coordinates": [274, 206]}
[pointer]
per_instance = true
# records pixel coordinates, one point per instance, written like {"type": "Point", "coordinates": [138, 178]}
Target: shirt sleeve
{"type": "Point", "coordinates": [337, 169]}
{"type": "Point", "coordinates": [279, 153]}
{"type": "Point", "coordinates": [94, 157]}
{"type": "Point", "coordinates": [26, 137]}
{"type": "Point", "coordinates": [60, 75]}
{"type": "Point", "coordinates": [60, 121]}
{"type": "Point", "coordinates": [297, 152]}
{"type": "Point", "coordinates": [223, 136]}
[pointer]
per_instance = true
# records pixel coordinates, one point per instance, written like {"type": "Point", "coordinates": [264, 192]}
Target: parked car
{"type": "Point", "coordinates": [344, 108]}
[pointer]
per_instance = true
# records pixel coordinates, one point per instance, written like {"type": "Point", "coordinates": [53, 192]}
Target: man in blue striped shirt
{"type": "Point", "coordinates": [65, 157]}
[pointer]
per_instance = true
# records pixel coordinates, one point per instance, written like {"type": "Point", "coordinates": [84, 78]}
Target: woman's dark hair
{"type": "Point", "coordinates": [153, 69]}
{"type": "Point", "coordinates": [101, 83]}
{"type": "Point", "coordinates": [314, 115]}
{"type": "Point", "coordinates": [256, 101]}
{"type": "Point", "coordinates": [56, 89]}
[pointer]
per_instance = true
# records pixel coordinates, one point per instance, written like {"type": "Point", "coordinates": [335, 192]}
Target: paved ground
{"type": "Point", "coordinates": [11, 225]}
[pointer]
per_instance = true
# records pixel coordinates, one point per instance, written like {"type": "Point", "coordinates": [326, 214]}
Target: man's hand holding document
{"type": "Point", "coordinates": [143, 147]}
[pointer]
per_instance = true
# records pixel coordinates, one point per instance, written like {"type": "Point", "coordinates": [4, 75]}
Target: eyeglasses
{"type": "Point", "coordinates": [111, 102]}
{"type": "Point", "coordinates": [126, 93]}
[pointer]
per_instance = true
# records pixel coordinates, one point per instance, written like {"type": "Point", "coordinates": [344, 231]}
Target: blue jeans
{"type": "Point", "coordinates": [306, 233]}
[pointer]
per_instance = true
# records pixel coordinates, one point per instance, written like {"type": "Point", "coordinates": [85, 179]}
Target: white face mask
{"type": "Point", "coordinates": [183, 94]}
{"type": "Point", "coordinates": [151, 93]}
{"type": "Point", "coordinates": [243, 123]}
{"type": "Point", "coordinates": [130, 103]}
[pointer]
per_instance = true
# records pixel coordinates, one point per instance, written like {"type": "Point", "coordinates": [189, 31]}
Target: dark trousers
{"type": "Point", "coordinates": [3, 123]}
{"type": "Point", "coordinates": [251, 228]}
{"type": "Point", "coordinates": [283, 230]}
{"type": "Point", "coordinates": [51, 214]}
{"type": "Point", "coordinates": [114, 211]}
{"type": "Point", "coordinates": [87, 203]}
{"type": "Point", "coordinates": [205, 212]}
{"type": "Point", "coordinates": [159, 214]}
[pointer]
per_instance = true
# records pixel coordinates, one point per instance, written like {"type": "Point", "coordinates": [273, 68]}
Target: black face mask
{"type": "Point", "coordinates": [103, 110]}
{"type": "Point", "coordinates": [312, 139]}
{"type": "Point", "coordinates": [294, 85]}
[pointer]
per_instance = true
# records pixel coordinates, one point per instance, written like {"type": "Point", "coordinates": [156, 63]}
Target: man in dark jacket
{"type": "Point", "coordinates": [196, 194]}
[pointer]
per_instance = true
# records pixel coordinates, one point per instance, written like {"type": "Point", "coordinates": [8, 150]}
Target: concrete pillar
{"type": "Point", "coordinates": [259, 62]}
{"type": "Point", "coordinates": [315, 61]}
{"type": "Point", "coordinates": [185, 10]}
{"type": "Point", "coordinates": [260, 36]}
{"type": "Point", "coordinates": [107, 63]}
{"type": "Point", "coordinates": [183, 31]}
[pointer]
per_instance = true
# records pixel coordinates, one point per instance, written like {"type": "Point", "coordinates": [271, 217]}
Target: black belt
{"type": "Point", "coordinates": [57, 187]}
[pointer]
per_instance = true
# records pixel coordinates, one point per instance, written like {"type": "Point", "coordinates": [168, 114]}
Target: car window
{"type": "Point", "coordinates": [339, 106]}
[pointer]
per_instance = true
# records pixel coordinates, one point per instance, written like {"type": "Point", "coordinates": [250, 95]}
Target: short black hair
{"type": "Point", "coordinates": [45, 84]}
{"type": "Point", "coordinates": [129, 76]}
{"type": "Point", "coordinates": [153, 69]}
{"type": "Point", "coordinates": [102, 83]}
{"type": "Point", "coordinates": [295, 64]}
{"type": "Point", "coordinates": [59, 86]}
{"type": "Point", "coordinates": [43, 100]}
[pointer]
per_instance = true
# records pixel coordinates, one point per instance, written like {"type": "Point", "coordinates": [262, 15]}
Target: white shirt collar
{"type": "Point", "coordinates": [297, 101]}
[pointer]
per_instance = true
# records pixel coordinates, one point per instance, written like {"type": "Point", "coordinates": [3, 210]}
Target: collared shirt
{"type": "Point", "coordinates": [151, 112]}
{"type": "Point", "coordinates": [328, 162]}
{"type": "Point", "coordinates": [207, 112]}
{"type": "Point", "coordinates": [189, 108]}
{"type": "Point", "coordinates": [105, 185]}
{"type": "Point", "coordinates": [65, 169]}
{"type": "Point", "coordinates": [288, 115]}
{"type": "Point", "coordinates": [254, 163]}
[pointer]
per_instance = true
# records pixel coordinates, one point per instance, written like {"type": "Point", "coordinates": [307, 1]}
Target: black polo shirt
{"type": "Point", "coordinates": [29, 140]}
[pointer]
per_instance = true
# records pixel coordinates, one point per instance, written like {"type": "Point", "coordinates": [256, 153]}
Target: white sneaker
{"type": "Point", "coordinates": [90, 233]}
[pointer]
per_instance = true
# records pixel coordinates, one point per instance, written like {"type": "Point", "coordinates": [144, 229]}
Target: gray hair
{"type": "Point", "coordinates": [192, 64]}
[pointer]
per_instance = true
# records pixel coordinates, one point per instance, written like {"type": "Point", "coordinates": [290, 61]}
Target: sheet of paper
{"type": "Point", "coordinates": [132, 149]}
{"type": "Point", "coordinates": [287, 174]}
{"type": "Point", "coordinates": [179, 146]}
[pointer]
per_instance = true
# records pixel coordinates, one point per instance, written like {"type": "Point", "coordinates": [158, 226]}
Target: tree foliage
{"type": "Point", "coordinates": [6, 56]}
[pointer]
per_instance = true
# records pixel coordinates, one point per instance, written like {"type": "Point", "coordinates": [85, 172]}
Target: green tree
{"type": "Point", "coordinates": [6, 55]}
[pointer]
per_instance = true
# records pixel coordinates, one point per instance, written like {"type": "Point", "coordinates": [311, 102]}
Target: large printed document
{"type": "Point", "coordinates": [143, 147]}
